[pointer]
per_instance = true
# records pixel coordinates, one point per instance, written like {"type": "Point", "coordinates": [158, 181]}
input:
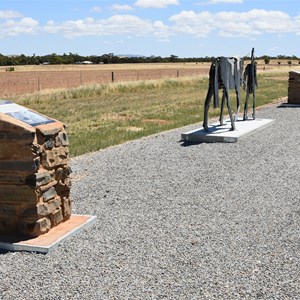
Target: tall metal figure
{"type": "Point", "coordinates": [250, 80]}
{"type": "Point", "coordinates": [225, 73]}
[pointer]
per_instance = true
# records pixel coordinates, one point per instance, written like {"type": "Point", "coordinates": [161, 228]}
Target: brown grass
{"type": "Point", "coordinates": [108, 67]}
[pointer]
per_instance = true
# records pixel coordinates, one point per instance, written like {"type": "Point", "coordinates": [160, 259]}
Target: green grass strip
{"type": "Point", "coordinates": [99, 116]}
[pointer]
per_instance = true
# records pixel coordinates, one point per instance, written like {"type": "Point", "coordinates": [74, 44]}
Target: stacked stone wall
{"type": "Point", "coordinates": [34, 177]}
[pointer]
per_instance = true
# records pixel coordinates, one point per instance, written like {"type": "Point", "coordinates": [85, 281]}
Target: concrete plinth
{"type": "Point", "coordinates": [50, 240]}
{"type": "Point", "coordinates": [223, 134]}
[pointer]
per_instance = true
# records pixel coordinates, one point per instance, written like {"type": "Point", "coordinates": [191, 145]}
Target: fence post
{"type": "Point", "coordinates": [112, 77]}
{"type": "Point", "coordinates": [177, 73]}
{"type": "Point", "coordinates": [39, 83]}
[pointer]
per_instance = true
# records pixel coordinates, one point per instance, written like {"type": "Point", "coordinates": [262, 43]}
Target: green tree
{"type": "Point", "coordinates": [267, 60]}
{"type": "Point", "coordinates": [55, 59]}
{"type": "Point", "coordinates": [173, 58]}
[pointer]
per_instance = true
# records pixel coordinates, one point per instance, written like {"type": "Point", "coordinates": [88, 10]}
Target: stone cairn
{"type": "Point", "coordinates": [34, 177]}
{"type": "Point", "coordinates": [294, 88]}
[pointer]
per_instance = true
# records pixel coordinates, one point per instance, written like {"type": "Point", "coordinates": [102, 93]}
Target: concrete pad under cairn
{"type": "Point", "coordinates": [50, 240]}
{"type": "Point", "coordinates": [222, 134]}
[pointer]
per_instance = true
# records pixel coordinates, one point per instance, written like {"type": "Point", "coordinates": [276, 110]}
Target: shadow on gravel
{"type": "Point", "coordinates": [2, 251]}
{"type": "Point", "coordinates": [288, 105]}
{"type": "Point", "coordinates": [188, 144]}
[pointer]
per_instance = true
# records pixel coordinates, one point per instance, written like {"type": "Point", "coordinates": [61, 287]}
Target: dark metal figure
{"type": "Point", "coordinates": [225, 73]}
{"type": "Point", "coordinates": [250, 80]}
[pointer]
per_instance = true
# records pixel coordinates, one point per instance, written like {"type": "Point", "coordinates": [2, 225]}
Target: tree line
{"type": "Point", "coordinates": [110, 58]}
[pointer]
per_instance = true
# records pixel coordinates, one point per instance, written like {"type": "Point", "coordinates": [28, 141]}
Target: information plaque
{"type": "Point", "coordinates": [23, 114]}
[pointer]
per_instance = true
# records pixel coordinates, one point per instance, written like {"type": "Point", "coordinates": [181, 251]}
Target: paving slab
{"type": "Point", "coordinates": [50, 240]}
{"type": "Point", "coordinates": [223, 134]}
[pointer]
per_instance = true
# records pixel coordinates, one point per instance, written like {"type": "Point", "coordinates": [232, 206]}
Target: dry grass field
{"type": "Point", "coordinates": [100, 113]}
{"type": "Point", "coordinates": [30, 79]}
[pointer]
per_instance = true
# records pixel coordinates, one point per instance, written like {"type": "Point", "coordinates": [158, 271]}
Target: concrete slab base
{"type": "Point", "coordinates": [50, 240]}
{"type": "Point", "coordinates": [223, 134]}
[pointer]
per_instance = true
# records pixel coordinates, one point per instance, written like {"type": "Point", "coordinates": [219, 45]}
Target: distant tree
{"type": "Point", "coordinates": [289, 63]}
{"type": "Point", "coordinates": [54, 59]}
{"type": "Point", "coordinates": [281, 56]}
{"type": "Point", "coordinates": [33, 60]}
{"type": "Point", "coordinates": [153, 59]}
{"type": "Point", "coordinates": [107, 58]}
{"type": "Point", "coordinates": [173, 58]}
{"type": "Point", "coordinates": [21, 59]}
{"type": "Point", "coordinates": [3, 60]}
{"type": "Point", "coordinates": [267, 60]}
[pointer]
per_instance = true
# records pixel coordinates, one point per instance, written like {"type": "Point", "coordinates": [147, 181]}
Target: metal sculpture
{"type": "Point", "coordinates": [225, 73]}
{"type": "Point", "coordinates": [250, 85]}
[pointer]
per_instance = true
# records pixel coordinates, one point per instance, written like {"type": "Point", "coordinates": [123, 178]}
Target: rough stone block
{"type": "Point", "coordinates": [50, 129]}
{"type": "Point", "coordinates": [54, 158]}
{"type": "Point", "coordinates": [15, 195]}
{"type": "Point", "coordinates": [49, 194]}
{"type": "Point", "coordinates": [45, 209]}
{"type": "Point", "coordinates": [15, 179]}
{"type": "Point", "coordinates": [63, 187]}
{"type": "Point", "coordinates": [8, 224]}
{"type": "Point", "coordinates": [66, 205]}
{"type": "Point", "coordinates": [39, 179]}
{"type": "Point", "coordinates": [41, 226]}
{"type": "Point", "coordinates": [19, 166]}
{"type": "Point", "coordinates": [12, 151]}
{"type": "Point", "coordinates": [61, 139]}
{"type": "Point", "coordinates": [56, 217]}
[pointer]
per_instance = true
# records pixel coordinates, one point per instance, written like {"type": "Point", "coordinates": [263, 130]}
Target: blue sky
{"type": "Point", "coordinates": [192, 28]}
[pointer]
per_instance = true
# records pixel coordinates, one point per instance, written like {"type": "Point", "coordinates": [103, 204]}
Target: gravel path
{"type": "Point", "coordinates": [206, 221]}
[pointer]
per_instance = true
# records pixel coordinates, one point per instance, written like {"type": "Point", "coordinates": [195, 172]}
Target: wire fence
{"type": "Point", "coordinates": [16, 83]}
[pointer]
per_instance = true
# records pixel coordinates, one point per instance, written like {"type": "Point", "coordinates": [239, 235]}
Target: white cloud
{"type": "Point", "coordinates": [274, 48]}
{"type": "Point", "coordinates": [161, 30]}
{"type": "Point", "coordinates": [213, 2]}
{"type": "Point", "coordinates": [96, 9]}
{"type": "Point", "coordinates": [155, 3]}
{"type": "Point", "coordinates": [198, 24]}
{"type": "Point", "coordinates": [227, 24]}
{"type": "Point", "coordinates": [115, 25]}
{"type": "Point", "coordinates": [297, 24]}
{"type": "Point", "coordinates": [225, 1]}
{"type": "Point", "coordinates": [23, 26]}
{"type": "Point", "coordinates": [163, 40]}
{"type": "Point", "coordinates": [248, 24]}
{"type": "Point", "coordinates": [120, 7]}
{"type": "Point", "coordinates": [10, 14]}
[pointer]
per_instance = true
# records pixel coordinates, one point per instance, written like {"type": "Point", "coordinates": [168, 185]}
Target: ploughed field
{"type": "Point", "coordinates": [30, 79]}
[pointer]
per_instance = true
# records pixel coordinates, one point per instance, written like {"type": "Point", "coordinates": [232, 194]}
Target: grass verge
{"type": "Point", "coordinates": [100, 116]}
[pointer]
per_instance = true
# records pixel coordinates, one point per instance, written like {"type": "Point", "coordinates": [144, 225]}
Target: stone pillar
{"type": "Point", "coordinates": [34, 174]}
{"type": "Point", "coordinates": [294, 88]}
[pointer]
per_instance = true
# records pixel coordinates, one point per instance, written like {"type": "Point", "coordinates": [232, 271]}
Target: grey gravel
{"type": "Point", "coordinates": [205, 221]}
